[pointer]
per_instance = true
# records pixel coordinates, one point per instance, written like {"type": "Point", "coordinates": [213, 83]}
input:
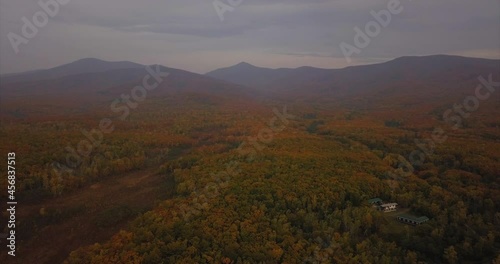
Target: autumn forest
{"type": "Point", "coordinates": [215, 169]}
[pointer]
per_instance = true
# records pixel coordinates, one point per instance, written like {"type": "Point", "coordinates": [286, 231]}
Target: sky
{"type": "Point", "coordinates": [190, 34]}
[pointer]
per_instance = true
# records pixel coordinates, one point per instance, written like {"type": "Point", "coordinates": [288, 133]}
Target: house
{"type": "Point", "coordinates": [388, 207]}
{"type": "Point", "coordinates": [380, 205]}
{"type": "Point", "coordinates": [375, 201]}
{"type": "Point", "coordinates": [412, 220]}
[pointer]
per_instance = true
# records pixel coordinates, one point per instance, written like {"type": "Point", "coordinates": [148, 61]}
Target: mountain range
{"type": "Point", "coordinates": [405, 81]}
{"type": "Point", "coordinates": [416, 76]}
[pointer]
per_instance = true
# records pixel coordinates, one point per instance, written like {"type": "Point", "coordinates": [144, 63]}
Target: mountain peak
{"type": "Point", "coordinates": [89, 60]}
{"type": "Point", "coordinates": [95, 61]}
{"type": "Point", "coordinates": [81, 66]}
{"type": "Point", "coordinates": [244, 64]}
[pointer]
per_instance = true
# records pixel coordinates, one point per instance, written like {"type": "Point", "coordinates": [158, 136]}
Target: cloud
{"type": "Point", "coordinates": [294, 32]}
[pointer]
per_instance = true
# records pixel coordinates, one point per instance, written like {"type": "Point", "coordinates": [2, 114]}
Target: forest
{"type": "Point", "coordinates": [299, 195]}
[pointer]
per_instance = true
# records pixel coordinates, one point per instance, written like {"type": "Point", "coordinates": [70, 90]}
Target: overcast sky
{"type": "Point", "coordinates": [188, 34]}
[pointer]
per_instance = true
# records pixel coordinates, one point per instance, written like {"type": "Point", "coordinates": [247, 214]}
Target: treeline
{"type": "Point", "coordinates": [303, 200]}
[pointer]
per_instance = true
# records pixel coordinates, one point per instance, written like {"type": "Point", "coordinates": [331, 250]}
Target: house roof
{"type": "Point", "coordinates": [375, 200]}
{"type": "Point", "coordinates": [414, 218]}
{"type": "Point", "coordinates": [388, 204]}
{"type": "Point", "coordinates": [423, 218]}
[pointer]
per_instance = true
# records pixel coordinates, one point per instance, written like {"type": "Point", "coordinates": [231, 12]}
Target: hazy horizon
{"type": "Point", "coordinates": [190, 35]}
{"type": "Point", "coordinates": [256, 65]}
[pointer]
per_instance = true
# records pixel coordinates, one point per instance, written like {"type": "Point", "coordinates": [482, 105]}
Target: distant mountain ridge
{"type": "Point", "coordinates": [245, 73]}
{"type": "Point", "coordinates": [96, 80]}
{"type": "Point", "coordinates": [87, 65]}
{"type": "Point", "coordinates": [405, 81]}
{"type": "Point", "coordinates": [410, 76]}
{"type": "Point", "coordinates": [249, 75]}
